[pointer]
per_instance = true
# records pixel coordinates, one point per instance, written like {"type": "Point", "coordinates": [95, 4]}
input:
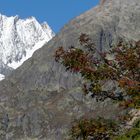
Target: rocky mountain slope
{"type": "Point", "coordinates": [40, 100]}
{"type": "Point", "coordinates": [19, 38]}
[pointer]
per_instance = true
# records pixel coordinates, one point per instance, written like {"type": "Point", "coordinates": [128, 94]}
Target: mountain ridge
{"type": "Point", "coordinates": [18, 37]}
{"type": "Point", "coordinates": [42, 99]}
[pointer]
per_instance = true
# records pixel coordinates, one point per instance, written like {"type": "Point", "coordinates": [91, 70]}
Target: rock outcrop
{"type": "Point", "coordinates": [40, 99]}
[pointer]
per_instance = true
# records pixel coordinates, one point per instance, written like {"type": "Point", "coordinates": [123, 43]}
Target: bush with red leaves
{"type": "Point", "coordinates": [119, 65]}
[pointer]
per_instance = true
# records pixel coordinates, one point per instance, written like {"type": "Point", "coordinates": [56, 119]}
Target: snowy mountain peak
{"type": "Point", "coordinates": [47, 29]}
{"type": "Point", "coordinates": [1, 77]}
{"type": "Point", "coordinates": [19, 38]}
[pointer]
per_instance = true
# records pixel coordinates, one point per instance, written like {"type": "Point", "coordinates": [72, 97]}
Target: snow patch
{"type": "Point", "coordinates": [1, 77]}
{"type": "Point", "coordinates": [29, 54]}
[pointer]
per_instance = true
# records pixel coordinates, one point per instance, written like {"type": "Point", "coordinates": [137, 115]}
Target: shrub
{"type": "Point", "coordinates": [120, 65]}
{"type": "Point", "coordinates": [132, 134]}
{"type": "Point", "coordinates": [95, 129]}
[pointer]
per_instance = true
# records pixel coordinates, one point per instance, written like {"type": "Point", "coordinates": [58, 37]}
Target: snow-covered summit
{"type": "Point", "coordinates": [1, 77]}
{"type": "Point", "coordinates": [19, 38]}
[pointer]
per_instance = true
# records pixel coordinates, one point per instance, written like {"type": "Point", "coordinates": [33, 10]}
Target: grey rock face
{"type": "Point", "coordinates": [40, 99]}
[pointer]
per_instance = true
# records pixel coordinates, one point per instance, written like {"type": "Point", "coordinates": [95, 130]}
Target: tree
{"type": "Point", "coordinates": [119, 65]}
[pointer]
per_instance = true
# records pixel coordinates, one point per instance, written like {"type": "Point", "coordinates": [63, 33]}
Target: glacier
{"type": "Point", "coordinates": [19, 39]}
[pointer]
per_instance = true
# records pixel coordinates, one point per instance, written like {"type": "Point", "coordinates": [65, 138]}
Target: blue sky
{"type": "Point", "coordinates": [55, 12]}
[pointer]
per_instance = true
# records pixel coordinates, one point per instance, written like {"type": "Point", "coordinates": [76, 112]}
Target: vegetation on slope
{"type": "Point", "coordinates": [120, 66]}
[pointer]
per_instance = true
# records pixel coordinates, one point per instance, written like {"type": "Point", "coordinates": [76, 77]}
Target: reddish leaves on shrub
{"type": "Point", "coordinates": [120, 64]}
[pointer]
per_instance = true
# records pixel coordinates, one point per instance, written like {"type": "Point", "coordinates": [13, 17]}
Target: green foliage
{"type": "Point", "coordinates": [102, 129]}
{"type": "Point", "coordinates": [132, 134]}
